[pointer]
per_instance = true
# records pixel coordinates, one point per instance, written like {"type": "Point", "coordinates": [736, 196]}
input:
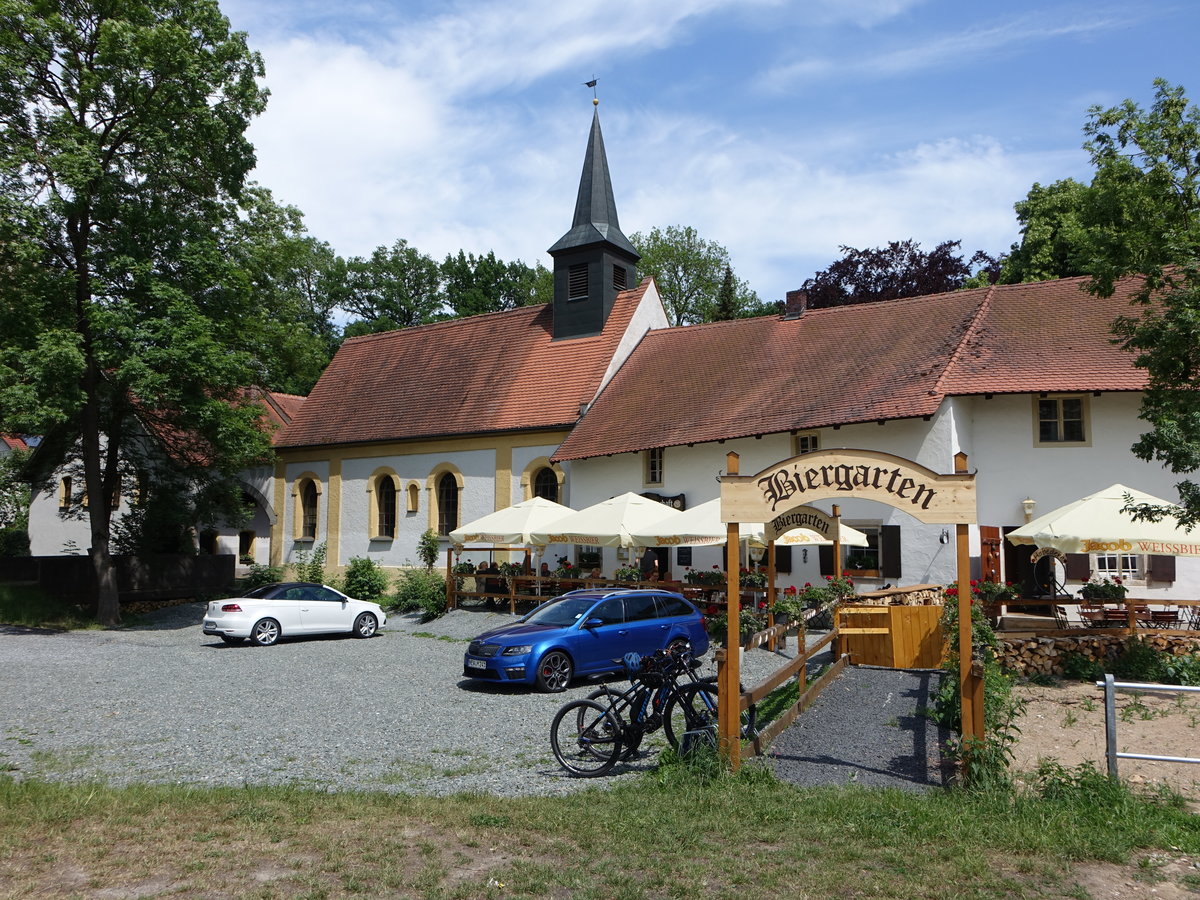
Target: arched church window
{"type": "Point", "coordinates": [545, 484]}
{"type": "Point", "coordinates": [447, 492]}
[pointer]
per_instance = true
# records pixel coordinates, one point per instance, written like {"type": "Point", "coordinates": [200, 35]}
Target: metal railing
{"type": "Point", "coordinates": [1110, 720]}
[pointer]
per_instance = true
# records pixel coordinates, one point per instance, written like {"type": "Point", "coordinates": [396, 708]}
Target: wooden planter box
{"type": "Point", "coordinates": [897, 637]}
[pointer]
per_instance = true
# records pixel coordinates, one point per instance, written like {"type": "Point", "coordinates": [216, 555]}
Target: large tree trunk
{"type": "Point", "coordinates": [108, 606]}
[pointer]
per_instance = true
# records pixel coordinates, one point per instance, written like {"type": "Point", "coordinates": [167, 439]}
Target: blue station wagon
{"type": "Point", "coordinates": [584, 632]}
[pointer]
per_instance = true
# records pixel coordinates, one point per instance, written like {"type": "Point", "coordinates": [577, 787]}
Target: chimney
{"type": "Point", "coordinates": [795, 304]}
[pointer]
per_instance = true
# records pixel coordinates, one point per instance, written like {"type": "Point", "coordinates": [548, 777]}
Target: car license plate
{"type": "Point", "coordinates": [476, 664]}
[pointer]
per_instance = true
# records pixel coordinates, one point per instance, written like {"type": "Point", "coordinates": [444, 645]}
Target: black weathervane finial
{"type": "Point", "coordinates": [592, 85]}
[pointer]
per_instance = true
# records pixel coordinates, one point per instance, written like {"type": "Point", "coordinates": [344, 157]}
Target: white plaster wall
{"type": "Point", "coordinates": [999, 436]}
{"type": "Point", "coordinates": [50, 534]}
{"type": "Point", "coordinates": [478, 497]}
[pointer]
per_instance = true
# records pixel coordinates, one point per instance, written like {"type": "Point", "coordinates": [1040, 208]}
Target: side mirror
{"type": "Point", "coordinates": [593, 623]}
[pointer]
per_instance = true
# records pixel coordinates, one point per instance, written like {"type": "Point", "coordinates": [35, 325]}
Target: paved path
{"type": "Point", "coordinates": [867, 728]}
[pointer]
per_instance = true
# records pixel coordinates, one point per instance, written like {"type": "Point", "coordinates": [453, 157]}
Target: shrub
{"type": "Point", "coordinates": [365, 579]}
{"type": "Point", "coordinates": [1183, 669]}
{"type": "Point", "coordinates": [310, 565]}
{"type": "Point", "coordinates": [428, 548]}
{"type": "Point", "coordinates": [1140, 662]}
{"type": "Point", "coordinates": [1001, 708]}
{"type": "Point", "coordinates": [260, 575]}
{"type": "Point", "coordinates": [14, 542]}
{"type": "Point", "coordinates": [421, 589]}
{"type": "Point", "coordinates": [1077, 667]}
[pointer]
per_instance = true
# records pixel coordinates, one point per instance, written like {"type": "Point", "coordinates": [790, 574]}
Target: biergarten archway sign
{"type": "Point", "coordinates": [780, 495]}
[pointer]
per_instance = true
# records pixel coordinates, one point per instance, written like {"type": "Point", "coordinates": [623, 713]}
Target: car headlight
{"type": "Point", "coordinates": [519, 650]}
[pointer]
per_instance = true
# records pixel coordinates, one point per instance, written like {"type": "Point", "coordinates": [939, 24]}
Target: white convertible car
{"type": "Point", "coordinates": [272, 611]}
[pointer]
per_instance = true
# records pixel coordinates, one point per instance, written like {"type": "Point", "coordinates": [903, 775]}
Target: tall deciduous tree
{"type": "Point", "coordinates": [296, 281]}
{"type": "Point", "coordinates": [1055, 234]}
{"type": "Point", "coordinates": [1145, 210]}
{"type": "Point", "coordinates": [122, 157]}
{"type": "Point", "coordinates": [396, 287]}
{"type": "Point", "coordinates": [901, 269]}
{"type": "Point", "coordinates": [480, 284]}
{"type": "Point", "coordinates": [688, 271]}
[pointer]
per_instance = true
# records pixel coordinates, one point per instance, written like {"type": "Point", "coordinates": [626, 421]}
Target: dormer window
{"type": "Point", "coordinates": [619, 277]}
{"type": "Point", "coordinates": [577, 282]}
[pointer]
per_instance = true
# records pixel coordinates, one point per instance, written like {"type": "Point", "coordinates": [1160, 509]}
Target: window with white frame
{"type": "Point", "coordinates": [1127, 566]}
{"type": "Point", "coordinates": [653, 473]}
{"type": "Point", "coordinates": [1060, 420]}
{"type": "Point", "coordinates": [807, 442]}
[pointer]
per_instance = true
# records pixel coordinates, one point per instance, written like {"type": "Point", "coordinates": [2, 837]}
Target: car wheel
{"type": "Point", "coordinates": [265, 632]}
{"type": "Point", "coordinates": [230, 639]}
{"type": "Point", "coordinates": [554, 672]}
{"type": "Point", "coordinates": [365, 625]}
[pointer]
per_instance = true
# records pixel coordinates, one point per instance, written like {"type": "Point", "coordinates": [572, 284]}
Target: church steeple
{"type": "Point", "coordinates": [594, 260]}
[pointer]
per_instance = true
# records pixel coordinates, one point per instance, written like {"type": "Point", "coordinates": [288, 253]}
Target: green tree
{"type": "Point", "coordinates": [1055, 237]}
{"type": "Point", "coordinates": [726, 305]}
{"type": "Point", "coordinates": [481, 284]}
{"type": "Point", "coordinates": [14, 504]}
{"type": "Point", "coordinates": [122, 159]}
{"type": "Point", "coordinates": [689, 272]}
{"type": "Point", "coordinates": [397, 287]}
{"type": "Point", "coordinates": [296, 282]}
{"type": "Point", "coordinates": [1145, 216]}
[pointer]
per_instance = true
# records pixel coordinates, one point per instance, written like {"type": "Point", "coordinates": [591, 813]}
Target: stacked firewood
{"type": "Point", "coordinates": [1046, 655]}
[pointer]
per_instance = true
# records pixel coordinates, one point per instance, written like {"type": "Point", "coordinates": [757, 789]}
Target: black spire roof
{"type": "Point", "coordinates": [595, 209]}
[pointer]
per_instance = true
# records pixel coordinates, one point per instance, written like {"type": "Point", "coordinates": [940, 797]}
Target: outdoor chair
{"type": "Point", "coordinates": [1164, 618]}
{"type": "Point", "coordinates": [1060, 617]}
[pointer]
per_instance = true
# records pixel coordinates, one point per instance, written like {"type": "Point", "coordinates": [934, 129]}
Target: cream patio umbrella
{"type": "Point", "coordinates": [512, 525]}
{"type": "Point", "coordinates": [1098, 523]}
{"type": "Point", "coordinates": [610, 523]}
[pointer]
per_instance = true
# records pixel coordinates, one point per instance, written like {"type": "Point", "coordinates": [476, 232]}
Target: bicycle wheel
{"type": "Point", "coordinates": [749, 716]}
{"type": "Point", "coordinates": [631, 733]}
{"type": "Point", "coordinates": [586, 738]}
{"type": "Point", "coordinates": [694, 709]}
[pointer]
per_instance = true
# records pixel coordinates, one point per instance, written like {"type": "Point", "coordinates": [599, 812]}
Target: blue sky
{"type": "Point", "coordinates": [779, 129]}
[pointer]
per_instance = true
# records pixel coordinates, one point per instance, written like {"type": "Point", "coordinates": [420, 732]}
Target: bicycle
{"type": "Point", "coordinates": [589, 736]}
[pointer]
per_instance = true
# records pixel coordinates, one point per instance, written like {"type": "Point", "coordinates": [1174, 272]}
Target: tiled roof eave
{"type": "Point", "coordinates": [613, 451]}
{"type": "Point", "coordinates": [416, 438]}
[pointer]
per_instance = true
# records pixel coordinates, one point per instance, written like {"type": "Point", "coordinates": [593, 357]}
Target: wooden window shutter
{"type": "Point", "coordinates": [783, 560]}
{"type": "Point", "coordinates": [1078, 566]}
{"type": "Point", "coordinates": [825, 555]}
{"type": "Point", "coordinates": [889, 551]}
{"type": "Point", "coordinates": [1161, 568]}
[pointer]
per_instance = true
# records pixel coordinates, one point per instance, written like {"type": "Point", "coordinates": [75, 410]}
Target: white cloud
{"type": "Point", "coordinates": [939, 51]}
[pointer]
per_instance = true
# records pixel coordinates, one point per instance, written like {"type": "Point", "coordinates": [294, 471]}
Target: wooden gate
{"type": "Point", "coordinates": [897, 637]}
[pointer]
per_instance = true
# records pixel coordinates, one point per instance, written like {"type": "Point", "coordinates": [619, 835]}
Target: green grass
{"type": "Point", "coordinates": [679, 832]}
{"type": "Point", "coordinates": [32, 607]}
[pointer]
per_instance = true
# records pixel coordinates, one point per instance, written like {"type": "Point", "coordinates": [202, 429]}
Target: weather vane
{"type": "Point", "coordinates": [592, 85]}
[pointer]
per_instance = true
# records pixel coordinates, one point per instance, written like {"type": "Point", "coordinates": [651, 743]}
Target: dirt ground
{"type": "Point", "coordinates": [1065, 722]}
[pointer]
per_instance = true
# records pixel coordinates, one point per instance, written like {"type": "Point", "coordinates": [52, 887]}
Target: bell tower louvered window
{"type": "Point", "coordinates": [577, 282]}
{"type": "Point", "coordinates": [619, 277]}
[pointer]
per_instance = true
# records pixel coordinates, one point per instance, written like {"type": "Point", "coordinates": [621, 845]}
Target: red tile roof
{"type": "Point", "coordinates": [489, 373]}
{"type": "Point", "coordinates": [13, 442]}
{"type": "Point", "coordinates": [861, 363]}
{"type": "Point", "coordinates": [281, 409]}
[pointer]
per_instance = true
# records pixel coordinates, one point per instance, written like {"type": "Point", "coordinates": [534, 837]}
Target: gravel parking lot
{"type": "Point", "coordinates": [161, 702]}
